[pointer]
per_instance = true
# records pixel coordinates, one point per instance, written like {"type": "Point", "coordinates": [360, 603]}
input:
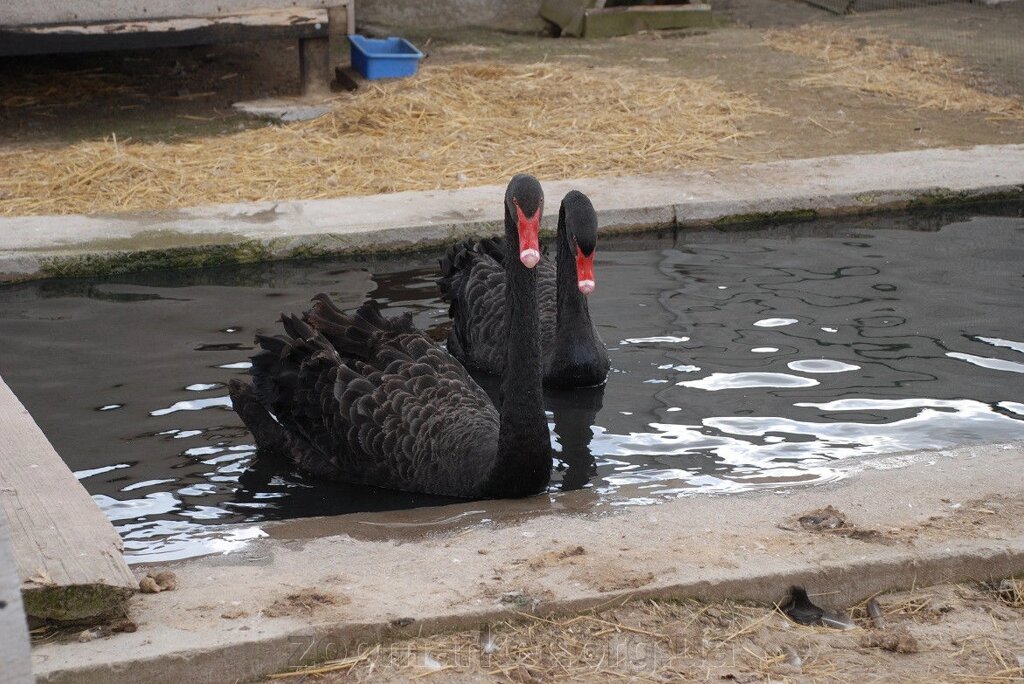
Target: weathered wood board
{"type": "Point", "coordinates": [68, 555]}
{"type": "Point", "coordinates": [267, 24]}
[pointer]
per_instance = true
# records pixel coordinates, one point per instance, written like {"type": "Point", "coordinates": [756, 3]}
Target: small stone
{"type": "Point", "coordinates": [125, 625]}
{"type": "Point", "coordinates": [898, 640]}
{"type": "Point", "coordinates": [234, 614]}
{"type": "Point", "coordinates": [168, 581]}
{"type": "Point", "coordinates": [85, 635]}
{"type": "Point", "coordinates": [148, 585]}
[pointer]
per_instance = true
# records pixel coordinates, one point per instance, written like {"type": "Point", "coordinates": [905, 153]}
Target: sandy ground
{"type": "Point", "coordinates": [967, 632]}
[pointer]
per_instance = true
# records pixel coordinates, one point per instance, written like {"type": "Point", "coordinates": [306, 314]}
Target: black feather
{"type": "Point", "coordinates": [800, 609]}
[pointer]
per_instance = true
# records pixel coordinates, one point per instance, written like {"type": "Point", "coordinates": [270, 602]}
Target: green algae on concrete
{"type": "Point", "coordinates": [104, 264]}
{"type": "Point", "coordinates": [116, 263]}
{"type": "Point", "coordinates": [946, 197]}
{"type": "Point", "coordinates": [75, 603]}
{"type": "Point", "coordinates": [787, 216]}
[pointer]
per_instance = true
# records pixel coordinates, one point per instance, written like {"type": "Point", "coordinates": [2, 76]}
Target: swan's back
{"type": "Point", "coordinates": [370, 400]}
{"type": "Point", "coordinates": [473, 283]}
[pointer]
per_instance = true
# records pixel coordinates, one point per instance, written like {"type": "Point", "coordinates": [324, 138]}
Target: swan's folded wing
{"type": "Point", "coordinates": [415, 422]}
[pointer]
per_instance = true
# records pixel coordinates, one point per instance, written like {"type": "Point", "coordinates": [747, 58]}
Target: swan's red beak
{"type": "Point", "coordinates": [584, 271]}
{"type": "Point", "coordinates": [529, 237]}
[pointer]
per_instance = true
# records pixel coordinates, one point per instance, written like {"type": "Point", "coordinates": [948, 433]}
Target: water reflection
{"type": "Point", "coordinates": [738, 361]}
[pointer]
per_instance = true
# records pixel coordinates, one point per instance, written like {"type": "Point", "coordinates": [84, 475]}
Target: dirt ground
{"type": "Point", "coordinates": [947, 633]}
{"type": "Point", "coordinates": [168, 96]}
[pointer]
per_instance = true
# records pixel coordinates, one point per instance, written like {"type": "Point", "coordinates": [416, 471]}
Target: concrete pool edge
{"type": "Point", "coordinates": [925, 529]}
{"type": "Point", "coordinates": [33, 247]}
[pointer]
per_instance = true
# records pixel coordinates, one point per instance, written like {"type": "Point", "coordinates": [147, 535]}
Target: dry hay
{"type": "Point", "coordinates": [464, 124]}
{"type": "Point", "coordinates": [949, 633]}
{"type": "Point", "coordinates": [869, 63]}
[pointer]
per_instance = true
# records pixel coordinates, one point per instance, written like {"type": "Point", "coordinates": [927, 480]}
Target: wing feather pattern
{"type": "Point", "coordinates": [371, 400]}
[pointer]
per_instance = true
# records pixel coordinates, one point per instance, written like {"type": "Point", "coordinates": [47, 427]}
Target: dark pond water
{"type": "Point", "coordinates": [747, 359]}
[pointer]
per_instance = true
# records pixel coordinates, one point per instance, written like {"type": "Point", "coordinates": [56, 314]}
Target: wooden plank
{"type": "Point", "coordinates": [341, 17]}
{"type": "Point", "coordinates": [68, 555]}
{"type": "Point", "coordinates": [128, 35]}
{"type": "Point", "coordinates": [341, 23]}
{"type": "Point", "coordinates": [15, 659]}
{"type": "Point", "coordinates": [619, 21]}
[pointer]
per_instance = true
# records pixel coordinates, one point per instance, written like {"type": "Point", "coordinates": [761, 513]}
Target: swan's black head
{"type": "Point", "coordinates": [581, 229]}
{"type": "Point", "coordinates": [524, 201]}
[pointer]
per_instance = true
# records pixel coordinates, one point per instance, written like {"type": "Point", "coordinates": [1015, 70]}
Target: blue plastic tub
{"type": "Point", "coordinates": [384, 58]}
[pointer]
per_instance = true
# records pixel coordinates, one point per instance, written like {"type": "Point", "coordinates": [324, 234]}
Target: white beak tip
{"type": "Point", "coordinates": [529, 257]}
{"type": "Point", "coordinates": [586, 286]}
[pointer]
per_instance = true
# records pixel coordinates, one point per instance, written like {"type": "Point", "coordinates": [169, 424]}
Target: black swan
{"type": "Point", "coordinates": [372, 400]}
{"type": "Point", "coordinates": [472, 282]}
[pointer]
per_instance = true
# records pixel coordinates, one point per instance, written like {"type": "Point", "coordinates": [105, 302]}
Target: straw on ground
{"type": "Point", "coordinates": [944, 633]}
{"type": "Point", "coordinates": [462, 124]}
{"type": "Point", "coordinates": [867, 62]}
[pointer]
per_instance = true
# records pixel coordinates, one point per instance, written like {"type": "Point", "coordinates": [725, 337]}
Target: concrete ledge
{"type": "Point", "coordinates": [929, 517]}
{"type": "Point", "coordinates": [53, 246]}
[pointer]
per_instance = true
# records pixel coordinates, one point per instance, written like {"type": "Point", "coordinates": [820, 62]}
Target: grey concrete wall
{"type": "Point", "coordinates": [392, 13]}
{"type": "Point", "coordinates": [508, 14]}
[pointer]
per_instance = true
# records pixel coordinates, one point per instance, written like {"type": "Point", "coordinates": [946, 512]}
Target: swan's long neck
{"type": "Point", "coordinates": [524, 444]}
{"type": "Point", "coordinates": [573, 316]}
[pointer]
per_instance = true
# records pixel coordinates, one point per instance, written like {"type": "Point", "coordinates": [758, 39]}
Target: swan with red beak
{"type": "Point", "coordinates": [473, 281]}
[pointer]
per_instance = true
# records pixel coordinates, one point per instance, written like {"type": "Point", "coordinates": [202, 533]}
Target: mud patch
{"type": "Point", "coordinates": [568, 555]}
{"type": "Point", "coordinates": [899, 640]}
{"type": "Point", "coordinates": [830, 520]}
{"type": "Point", "coordinates": [304, 602]}
{"type": "Point", "coordinates": [612, 579]}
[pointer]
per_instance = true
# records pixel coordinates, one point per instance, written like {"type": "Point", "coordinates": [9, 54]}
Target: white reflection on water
{"type": "Point", "coordinates": [997, 342]}
{"type": "Point", "coordinates": [156, 503]}
{"type": "Point", "coordinates": [985, 362]}
{"type": "Point", "coordinates": [194, 405]}
{"type": "Point", "coordinates": [166, 540]}
{"type": "Point", "coordinates": [775, 322]}
{"type": "Point", "coordinates": [723, 381]}
{"type": "Point", "coordinates": [241, 365]}
{"type": "Point", "coordinates": [937, 423]}
{"type": "Point", "coordinates": [82, 474]}
{"type": "Point", "coordinates": [821, 366]}
{"type": "Point", "coordinates": [767, 450]}
{"type": "Point", "coordinates": [667, 339]}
